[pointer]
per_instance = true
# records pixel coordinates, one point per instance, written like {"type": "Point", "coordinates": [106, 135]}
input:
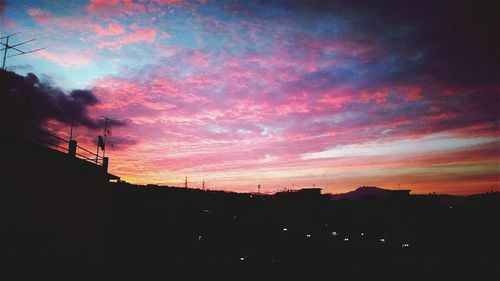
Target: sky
{"type": "Point", "coordinates": [286, 94]}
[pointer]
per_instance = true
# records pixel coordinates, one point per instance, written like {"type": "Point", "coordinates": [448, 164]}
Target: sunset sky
{"type": "Point", "coordinates": [335, 94]}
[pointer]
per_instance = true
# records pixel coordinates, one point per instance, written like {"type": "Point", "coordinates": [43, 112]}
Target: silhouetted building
{"type": "Point", "coordinates": [54, 205]}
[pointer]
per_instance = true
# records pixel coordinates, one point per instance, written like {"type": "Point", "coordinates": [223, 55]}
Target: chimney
{"type": "Point", "coordinates": [105, 161]}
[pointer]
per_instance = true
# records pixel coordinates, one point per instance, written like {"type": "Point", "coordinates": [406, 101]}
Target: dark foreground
{"type": "Point", "coordinates": [60, 218]}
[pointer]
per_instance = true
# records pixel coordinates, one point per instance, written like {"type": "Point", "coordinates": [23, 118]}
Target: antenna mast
{"type": "Point", "coordinates": [7, 46]}
{"type": "Point", "coordinates": [105, 135]}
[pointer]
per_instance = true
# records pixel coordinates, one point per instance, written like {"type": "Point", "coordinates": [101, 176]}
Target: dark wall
{"type": "Point", "coordinates": [52, 207]}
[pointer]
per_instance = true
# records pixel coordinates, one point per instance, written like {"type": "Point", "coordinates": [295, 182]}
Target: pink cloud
{"type": "Point", "coordinates": [168, 2]}
{"type": "Point", "coordinates": [65, 60]}
{"type": "Point", "coordinates": [413, 93]}
{"type": "Point", "coordinates": [113, 29]}
{"type": "Point", "coordinates": [140, 35]}
{"type": "Point", "coordinates": [7, 22]}
{"type": "Point", "coordinates": [130, 5]}
{"type": "Point", "coordinates": [39, 15]}
{"type": "Point", "coordinates": [114, 7]}
{"type": "Point", "coordinates": [51, 24]}
{"type": "Point", "coordinates": [336, 98]}
{"type": "Point", "coordinates": [99, 5]}
{"type": "Point", "coordinates": [379, 96]}
{"type": "Point", "coordinates": [197, 58]}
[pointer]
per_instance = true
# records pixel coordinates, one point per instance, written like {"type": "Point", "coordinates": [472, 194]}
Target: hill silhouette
{"type": "Point", "coordinates": [365, 192]}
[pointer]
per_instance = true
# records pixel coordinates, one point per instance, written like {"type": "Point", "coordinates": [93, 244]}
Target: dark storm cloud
{"type": "Point", "coordinates": [453, 41]}
{"type": "Point", "coordinates": [27, 98]}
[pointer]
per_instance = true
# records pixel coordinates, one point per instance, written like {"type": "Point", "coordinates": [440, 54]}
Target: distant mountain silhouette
{"type": "Point", "coordinates": [364, 192]}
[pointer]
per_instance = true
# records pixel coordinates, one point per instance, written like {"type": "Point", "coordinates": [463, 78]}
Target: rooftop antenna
{"type": "Point", "coordinates": [7, 46]}
{"type": "Point", "coordinates": [106, 133]}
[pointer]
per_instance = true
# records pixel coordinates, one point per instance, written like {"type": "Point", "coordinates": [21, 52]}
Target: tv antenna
{"type": "Point", "coordinates": [101, 143]}
{"type": "Point", "coordinates": [7, 46]}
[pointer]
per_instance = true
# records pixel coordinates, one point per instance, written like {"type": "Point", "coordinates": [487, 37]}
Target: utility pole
{"type": "Point", "coordinates": [97, 152]}
{"type": "Point", "coordinates": [5, 52]}
{"type": "Point", "coordinates": [105, 135]}
{"type": "Point", "coordinates": [106, 132]}
{"type": "Point", "coordinates": [186, 182]}
{"type": "Point", "coordinates": [7, 46]}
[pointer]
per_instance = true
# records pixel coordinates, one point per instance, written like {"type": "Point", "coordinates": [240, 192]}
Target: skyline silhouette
{"type": "Point", "coordinates": [67, 219]}
{"type": "Point", "coordinates": [266, 139]}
